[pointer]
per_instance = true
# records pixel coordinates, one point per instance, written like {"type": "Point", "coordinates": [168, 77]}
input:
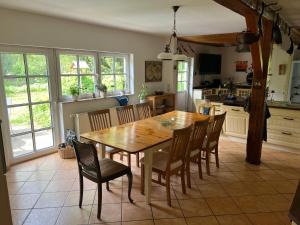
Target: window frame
{"type": "Point", "coordinates": [127, 88]}
{"type": "Point", "coordinates": [182, 81]}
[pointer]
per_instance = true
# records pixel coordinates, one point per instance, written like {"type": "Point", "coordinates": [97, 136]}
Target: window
{"type": "Point", "coordinates": [182, 76]}
{"type": "Point", "coordinates": [77, 70]}
{"type": "Point", "coordinates": [114, 71]}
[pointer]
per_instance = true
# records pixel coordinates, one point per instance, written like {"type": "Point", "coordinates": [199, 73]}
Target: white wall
{"type": "Point", "coordinates": [22, 28]}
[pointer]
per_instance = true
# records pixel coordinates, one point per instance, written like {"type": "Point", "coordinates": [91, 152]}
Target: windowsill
{"type": "Point", "coordinates": [91, 99]}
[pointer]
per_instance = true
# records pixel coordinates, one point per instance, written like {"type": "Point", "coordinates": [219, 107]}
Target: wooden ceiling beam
{"type": "Point", "coordinates": [237, 6]}
{"type": "Point", "coordinates": [212, 39]}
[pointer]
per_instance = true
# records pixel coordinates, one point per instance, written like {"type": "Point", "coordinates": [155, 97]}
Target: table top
{"type": "Point", "coordinates": [143, 134]}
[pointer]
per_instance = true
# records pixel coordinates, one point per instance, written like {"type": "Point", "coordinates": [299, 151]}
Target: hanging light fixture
{"type": "Point", "coordinates": [167, 54]}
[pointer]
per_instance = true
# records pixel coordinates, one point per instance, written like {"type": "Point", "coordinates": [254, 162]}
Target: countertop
{"type": "Point", "coordinates": [239, 101]}
{"type": "Point", "coordinates": [209, 86]}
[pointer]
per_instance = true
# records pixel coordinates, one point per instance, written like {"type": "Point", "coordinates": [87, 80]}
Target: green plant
{"type": "Point", "coordinates": [74, 90]}
{"type": "Point", "coordinates": [101, 87]}
{"type": "Point", "coordinates": [143, 92]}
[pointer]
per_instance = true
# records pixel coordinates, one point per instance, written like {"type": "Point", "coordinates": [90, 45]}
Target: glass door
{"type": "Point", "coordinates": [29, 108]}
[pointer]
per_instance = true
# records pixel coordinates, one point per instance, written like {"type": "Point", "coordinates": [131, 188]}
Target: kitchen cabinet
{"type": "Point", "coordinates": [236, 122]}
{"type": "Point", "coordinates": [284, 127]}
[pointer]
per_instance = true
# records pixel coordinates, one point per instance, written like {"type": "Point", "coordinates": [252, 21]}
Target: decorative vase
{"type": "Point", "coordinates": [75, 97]}
{"type": "Point", "coordinates": [103, 94]}
{"type": "Point", "coordinates": [142, 100]}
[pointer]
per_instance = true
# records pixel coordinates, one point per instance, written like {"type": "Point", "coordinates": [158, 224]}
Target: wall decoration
{"type": "Point", "coordinates": [281, 69]}
{"type": "Point", "coordinates": [153, 71]}
{"type": "Point", "coordinates": [241, 66]}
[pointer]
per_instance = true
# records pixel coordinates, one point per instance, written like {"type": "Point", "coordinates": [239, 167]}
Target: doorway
{"type": "Point", "coordinates": [28, 104]}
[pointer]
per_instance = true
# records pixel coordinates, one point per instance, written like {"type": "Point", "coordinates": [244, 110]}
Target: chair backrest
{"type": "Point", "coordinates": [179, 147]}
{"type": "Point", "coordinates": [198, 135]}
{"type": "Point", "coordinates": [125, 114]}
{"type": "Point", "coordinates": [143, 110]}
{"type": "Point", "coordinates": [87, 157]}
{"type": "Point", "coordinates": [214, 130]}
{"type": "Point", "coordinates": [99, 119]}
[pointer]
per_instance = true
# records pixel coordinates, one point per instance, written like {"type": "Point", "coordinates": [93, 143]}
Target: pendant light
{"type": "Point", "coordinates": [167, 54]}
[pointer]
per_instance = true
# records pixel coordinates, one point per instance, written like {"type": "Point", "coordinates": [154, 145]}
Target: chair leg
{"type": "Point", "coordinates": [142, 179]}
{"type": "Point", "coordinates": [182, 174]}
{"type": "Point", "coordinates": [217, 156]}
{"type": "Point", "coordinates": [80, 190]}
{"type": "Point", "coordinates": [99, 200]}
{"type": "Point", "coordinates": [129, 175]}
{"type": "Point", "coordinates": [129, 160]}
{"type": "Point", "coordinates": [168, 184]}
{"type": "Point", "coordinates": [188, 173]}
{"type": "Point", "coordinates": [137, 159]}
{"type": "Point", "coordinates": [200, 166]}
{"type": "Point", "coordinates": [207, 157]}
{"type": "Point", "coordinates": [107, 186]}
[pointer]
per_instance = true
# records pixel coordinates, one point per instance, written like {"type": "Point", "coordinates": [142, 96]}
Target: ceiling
{"type": "Point", "coordinates": [195, 17]}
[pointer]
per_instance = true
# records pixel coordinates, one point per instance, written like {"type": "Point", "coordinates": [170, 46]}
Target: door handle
{"type": "Point", "coordinates": [236, 110]}
{"type": "Point", "coordinates": [286, 133]}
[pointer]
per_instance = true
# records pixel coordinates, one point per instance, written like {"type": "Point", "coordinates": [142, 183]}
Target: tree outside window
{"type": "Point", "coordinates": [182, 75]}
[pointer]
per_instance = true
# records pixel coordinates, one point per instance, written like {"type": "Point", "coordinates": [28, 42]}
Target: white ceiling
{"type": "Point", "coordinates": [196, 17]}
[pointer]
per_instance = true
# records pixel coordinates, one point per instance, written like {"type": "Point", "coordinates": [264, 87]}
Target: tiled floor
{"type": "Point", "coordinates": [45, 192]}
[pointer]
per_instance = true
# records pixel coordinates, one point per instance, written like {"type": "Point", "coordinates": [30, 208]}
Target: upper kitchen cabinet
{"type": "Point", "coordinates": [295, 82]}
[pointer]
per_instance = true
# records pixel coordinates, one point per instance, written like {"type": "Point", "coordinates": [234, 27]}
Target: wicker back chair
{"type": "Point", "coordinates": [143, 110]}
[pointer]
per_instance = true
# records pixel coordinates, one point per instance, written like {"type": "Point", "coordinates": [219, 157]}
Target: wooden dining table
{"type": "Point", "coordinates": [146, 136]}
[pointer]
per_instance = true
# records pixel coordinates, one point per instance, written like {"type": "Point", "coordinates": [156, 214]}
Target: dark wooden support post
{"type": "Point", "coordinates": [260, 52]}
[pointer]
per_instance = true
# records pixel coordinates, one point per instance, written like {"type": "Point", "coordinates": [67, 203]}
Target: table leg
{"type": "Point", "coordinates": [102, 151]}
{"type": "Point", "coordinates": [148, 174]}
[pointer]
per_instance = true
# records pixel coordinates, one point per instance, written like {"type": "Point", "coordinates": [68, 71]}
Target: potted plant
{"type": "Point", "coordinates": [74, 90]}
{"type": "Point", "coordinates": [143, 94]}
{"type": "Point", "coordinates": [102, 89]}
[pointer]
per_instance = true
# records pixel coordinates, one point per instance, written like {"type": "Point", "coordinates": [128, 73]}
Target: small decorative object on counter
{"type": "Point", "coordinates": [102, 90]}
{"type": "Point", "coordinates": [231, 87]}
{"type": "Point", "coordinates": [143, 93]}
{"type": "Point", "coordinates": [249, 77]}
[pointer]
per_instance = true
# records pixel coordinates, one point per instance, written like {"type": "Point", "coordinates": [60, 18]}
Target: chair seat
{"type": "Point", "coordinates": [194, 152]}
{"type": "Point", "coordinates": [160, 160]}
{"type": "Point", "coordinates": [212, 144]}
{"type": "Point", "coordinates": [110, 169]}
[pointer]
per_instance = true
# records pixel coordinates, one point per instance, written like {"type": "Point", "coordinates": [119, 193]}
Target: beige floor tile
{"type": "Point", "coordinates": [62, 185]}
{"type": "Point", "coordinates": [192, 192]}
{"type": "Point", "coordinates": [66, 175]}
{"type": "Point", "coordinates": [42, 175]}
{"type": "Point", "coordinates": [73, 198]}
{"type": "Point", "coordinates": [14, 187]}
{"type": "Point", "coordinates": [251, 204]}
{"type": "Point", "coordinates": [109, 213]}
{"type": "Point", "coordinates": [136, 211]}
{"type": "Point", "coordinates": [25, 201]}
{"type": "Point", "coordinates": [112, 196]}
{"type": "Point", "coordinates": [264, 219]}
{"type": "Point", "coordinates": [226, 177]}
{"type": "Point", "coordinates": [275, 202]}
{"type": "Point", "coordinates": [260, 188]}
{"type": "Point", "coordinates": [237, 189]}
{"type": "Point", "coordinates": [19, 216]}
{"type": "Point", "coordinates": [205, 220]}
{"type": "Point", "coordinates": [135, 195]}
{"type": "Point", "coordinates": [46, 216]}
{"type": "Point", "coordinates": [212, 190]}
{"type": "Point", "coordinates": [53, 199]}
{"type": "Point", "coordinates": [289, 174]}
{"type": "Point", "coordinates": [144, 222]}
{"type": "Point", "coordinates": [159, 193]}
{"type": "Point", "coordinates": [178, 221]}
{"type": "Point", "coordinates": [223, 206]}
{"type": "Point", "coordinates": [74, 215]}
{"type": "Point", "coordinates": [161, 210]}
{"type": "Point", "coordinates": [247, 175]}
{"type": "Point", "coordinates": [87, 185]}
{"type": "Point", "coordinates": [283, 217]}
{"type": "Point", "coordinates": [33, 187]}
{"type": "Point", "coordinates": [283, 186]}
{"type": "Point", "coordinates": [269, 175]}
{"type": "Point", "coordinates": [233, 220]}
{"type": "Point", "coordinates": [16, 176]}
{"type": "Point", "coordinates": [194, 207]}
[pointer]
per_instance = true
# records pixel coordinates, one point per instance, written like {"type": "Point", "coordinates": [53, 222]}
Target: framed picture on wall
{"type": "Point", "coordinates": [153, 71]}
{"type": "Point", "coordinates": [241, 66]}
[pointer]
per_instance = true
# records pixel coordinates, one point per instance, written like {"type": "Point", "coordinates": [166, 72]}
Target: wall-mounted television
{"type": "Point", "coordinates": [209, 64]}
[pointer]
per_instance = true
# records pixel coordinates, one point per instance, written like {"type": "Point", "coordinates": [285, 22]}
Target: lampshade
{"type": "Point", "coordinates": [165, 56]}
{"type": "Point", "coordinates": [180, 57]}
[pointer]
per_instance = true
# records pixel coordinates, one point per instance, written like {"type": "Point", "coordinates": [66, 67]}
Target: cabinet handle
{"type": "Point", "coordinates": [286, 133]}
{"type": "Point", "coordinates": [287, 118]}
{"type": "Point", "coordinates": [236, 110]}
